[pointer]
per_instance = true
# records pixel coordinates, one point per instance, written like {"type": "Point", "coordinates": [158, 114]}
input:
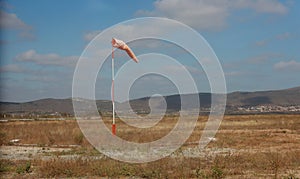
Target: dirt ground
{"type": "Point", "coordinates": [245, 146]}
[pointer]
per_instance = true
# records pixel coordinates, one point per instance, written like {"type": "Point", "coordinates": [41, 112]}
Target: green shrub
{"type": "Point", "coordinates": [217, 173]}
{"type": "Point", "coordinates": [290, 176]}
{"type": "Point", "coordinates": [5, 165]}
{"type": "Point", "coordinates": [2, 137]}
{"type": "Point", "coordinates": [24, 168]}
{"type": "Point", "coordinates": [78, 138]}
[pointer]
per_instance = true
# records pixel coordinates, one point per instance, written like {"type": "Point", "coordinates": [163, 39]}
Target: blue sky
{"type": "Point", "coordinates": [256, 41]}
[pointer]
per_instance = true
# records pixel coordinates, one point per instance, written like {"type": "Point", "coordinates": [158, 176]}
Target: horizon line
{"type": "Point", "coordinates": [27, 101]}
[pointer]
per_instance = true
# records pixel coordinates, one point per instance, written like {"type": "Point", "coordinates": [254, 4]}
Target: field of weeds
{"type": "Point", "coordinates": [246, 146]}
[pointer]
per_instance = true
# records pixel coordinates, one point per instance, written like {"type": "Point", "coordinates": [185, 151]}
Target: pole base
{"type": "Point", "coordinates": [113, 129]}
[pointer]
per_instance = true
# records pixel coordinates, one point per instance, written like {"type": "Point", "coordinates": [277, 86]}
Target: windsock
{"type": "Point", "coordinates": [122, 45]}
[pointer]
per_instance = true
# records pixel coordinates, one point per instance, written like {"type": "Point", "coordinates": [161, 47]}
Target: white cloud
{"type": "Point", "coordinates": [283, 36]}
{"type": "Point", "coordinates": [128, 32]}
{"type": "Point", "coordinates": [12, 68]}
{"type": "Point", "coordinates": [210, 14]}
{"type": "Point", "coordinates": [42, 78]}
{"type": "Point", "coordinates": [261, 43]}
{"type": "Point", "coordinates": [11, 21]}
{"type": "Point", "coordinates": [88, 36]}
{"type": "Point", "coordinates": [199, 14]}
{"type": "Point", "coordinates": [260, 6]}
{"type": "Point", "coordinates": [262, 58]}
{"type": "Point", "coordinates": [288, 65]}
{"type": "Point", "coordinates": [131, 30]}
{"type": "Point", "coordinates": [182, 69]}
{"type": "Point", "coordinates": [233, 73]}
{"type": "Point", "coordinates": [265, 42]}
{"type": "Point", "coordinates": [46, 59]}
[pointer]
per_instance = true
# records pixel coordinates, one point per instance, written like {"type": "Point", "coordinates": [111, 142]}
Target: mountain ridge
{"type": "Point", "coordinates": [284, 97]}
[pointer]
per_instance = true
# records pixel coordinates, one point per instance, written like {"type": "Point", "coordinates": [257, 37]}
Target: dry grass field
{"type": "Point", "coordinates": [246, 146]}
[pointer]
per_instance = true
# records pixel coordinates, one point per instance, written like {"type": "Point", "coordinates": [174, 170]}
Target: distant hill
{"type": "Point", "coordinates": [48, 105]}
{"type": "Point", "coordinates": [289, 96]}
{"type": "Point", "coordinates": [275, 97]}
{"type": "Point", "coordinates": [42, 105]}
{"type": "Point", "coordinates": [236, 99]}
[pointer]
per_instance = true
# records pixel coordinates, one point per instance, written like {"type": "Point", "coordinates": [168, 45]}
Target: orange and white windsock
{"type": "Point", "coordinates": [122, 45]}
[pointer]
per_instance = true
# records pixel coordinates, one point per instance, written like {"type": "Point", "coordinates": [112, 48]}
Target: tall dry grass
{"type": "Point", "coordinates": [43, 133]}
{"type": "Point", "coordinates": [265, 146]}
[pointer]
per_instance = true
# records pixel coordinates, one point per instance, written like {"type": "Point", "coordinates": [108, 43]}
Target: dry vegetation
{"type": "Point", "coordinates": [261, 146]}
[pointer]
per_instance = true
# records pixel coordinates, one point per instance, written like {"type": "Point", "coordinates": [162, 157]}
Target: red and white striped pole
{"type": "Point", "coordinates": [113, 127]}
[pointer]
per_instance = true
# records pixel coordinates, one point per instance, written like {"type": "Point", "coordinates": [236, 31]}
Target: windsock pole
{"type": "Point", "coordinates": [113, 127]}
